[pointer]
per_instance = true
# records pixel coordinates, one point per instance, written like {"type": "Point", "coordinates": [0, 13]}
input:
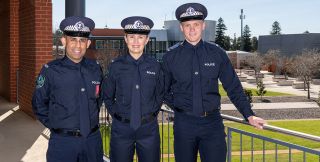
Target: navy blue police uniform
{"type": "Point", "coordinates": [191, 75]}
{"type": "Point", "coordinates": [66, 101]}
{"type": "Point", "coordinates": [132, 91]}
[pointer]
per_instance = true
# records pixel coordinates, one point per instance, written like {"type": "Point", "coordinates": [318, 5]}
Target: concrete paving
{"type": "Point", "coordinates": [22, 138]}
{"type": "Point", "coordinates": [270, 106]}
{"type": "Point", "coordinates": [272, 86]}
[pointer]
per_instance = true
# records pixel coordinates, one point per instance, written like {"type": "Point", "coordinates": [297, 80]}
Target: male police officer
{"type": "Point", "coordinates": [191, 72]}
{"type": "Point", "coordinates": [66, 95]}
{"type": "Point", "coordinates": [132, 92]}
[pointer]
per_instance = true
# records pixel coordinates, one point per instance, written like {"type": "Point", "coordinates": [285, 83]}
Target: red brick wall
{"type": "Point", "coordinates": [35, 42]}
{"type": "Point", "coordinates": [14, 48]}
{"type": "Point", "coordinates": [4, 49]}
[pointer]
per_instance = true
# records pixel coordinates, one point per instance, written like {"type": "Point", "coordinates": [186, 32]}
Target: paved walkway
{"type": "Point", "coordinates": [22, 138]}
{"type": "Point", "coordinates": [280, 105]}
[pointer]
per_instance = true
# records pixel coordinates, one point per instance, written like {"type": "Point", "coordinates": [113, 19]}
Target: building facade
{"type": "Point", "coordinates": [289, 44]}
{"type": "Point", "coordinates": [111, 41]}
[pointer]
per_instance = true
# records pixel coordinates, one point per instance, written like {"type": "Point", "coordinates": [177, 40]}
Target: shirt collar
{"type": "Point", "coordinates": [130, 59]}
{"type": "Point", "coordinates": [188, 45]}
{"type": "Point", "coordinates": [68, 61]}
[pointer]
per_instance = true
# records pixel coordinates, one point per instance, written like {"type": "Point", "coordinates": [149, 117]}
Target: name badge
{"type": "Point", "coordinates": [209, 64]}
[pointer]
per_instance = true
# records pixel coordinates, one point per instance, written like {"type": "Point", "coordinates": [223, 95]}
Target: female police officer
{"type": "Point", "coordinates": [132, 92]}
{"type": "Point", "coordinates": [66, 95]}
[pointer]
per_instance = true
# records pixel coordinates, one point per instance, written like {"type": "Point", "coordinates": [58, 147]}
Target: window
{"type": "Point", "coordinates": [99, 44]}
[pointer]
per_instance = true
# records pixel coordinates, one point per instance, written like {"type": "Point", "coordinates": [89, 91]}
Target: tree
{"type": "Point", "coordinates": [284, 63]}
{"type": "Point", "coordinates": [260, 89]}
{"type": "Point", "coordinates": [234, 44]}
{"type": "Point", "coordinates": [276, 29]}
{"type": "Point", "coordinates": [56, 43]}
{"type": "Point", "coordinates": [306, 32]}
{"type": "Point", "coordinates": [227, 43]}
{"type": "Point", "coordinates": [238, 45]}
{"type": "Point", "coordinates": [105, 57]}
{"type": "Point", "coordinates": [271, 60]}
{"type": "Point", "coordinates": [248, 93]}
{"type": "Point", "coordinates": [255, 61]}
{"type": "Point", "coordinates": [56, 37]}
{"type": "Point", "coordinates": [247, 46]}
{"type": "Point", "coordinates": [318, 101]}
{"type": "Point", "coordinates": [254, 42]}
{"type": "Point", "coordinates": [220, 37]}
{"type": "Point", "coordinates": [305, 66]}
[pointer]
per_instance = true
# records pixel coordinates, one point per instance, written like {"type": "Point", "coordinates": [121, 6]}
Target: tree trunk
{"type": "Point", "coordinates": [308, 86]}
{"type": "Point", "coordinates": [304, 83]}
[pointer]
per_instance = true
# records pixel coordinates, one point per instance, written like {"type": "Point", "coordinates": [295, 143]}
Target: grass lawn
{"type": "Point", "coordinates": [269, 93]}
{"type": "Point", "coordinates": [296, 157]}
{"type": "Point", "coordinates": [305, 126]}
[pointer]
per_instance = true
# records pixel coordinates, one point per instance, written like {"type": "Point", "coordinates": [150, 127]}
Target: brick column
{"type": "Point", "coordinates": [14, 48]}
{"type": "Point", "coordinates": [35, 42]}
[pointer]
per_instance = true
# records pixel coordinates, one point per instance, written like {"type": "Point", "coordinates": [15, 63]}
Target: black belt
{"type": "Point", "coordinates": [72, 132]}
{"type": "Point", "coordinates": [145, 119]}
{"type": "Point", "coordinates": [205, 113]}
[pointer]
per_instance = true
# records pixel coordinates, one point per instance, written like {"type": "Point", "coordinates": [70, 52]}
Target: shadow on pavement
{"type": "Point", "coordinates": [21, 137]}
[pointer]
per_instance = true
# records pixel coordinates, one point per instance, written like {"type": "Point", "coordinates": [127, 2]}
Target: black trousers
{"type": "Point", "coordinates": [75, 149]}
{"type": "Point", "coordinates": [124, 141]}
{"type": "Point", "coordinates": [203, 134]}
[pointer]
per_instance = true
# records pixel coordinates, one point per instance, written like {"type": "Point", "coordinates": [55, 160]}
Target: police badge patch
{"type": "Point", "coordinates": [40, 81]}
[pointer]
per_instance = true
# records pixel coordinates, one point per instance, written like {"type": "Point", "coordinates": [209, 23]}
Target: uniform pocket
{"type": "Point", "coordinates": [148, 84]}
{"type": "Point", "coordinates": [124, 88]}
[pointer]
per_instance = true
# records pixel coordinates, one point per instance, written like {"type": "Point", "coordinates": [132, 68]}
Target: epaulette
{"type": "Point", "coordinates": [212, 43]}
{"type": "Point", "coordinates": [52, 63]}
{"type": "Point", "coordinates": [117, 59]}
{"type": "Point", "coordinates": [174, 46]}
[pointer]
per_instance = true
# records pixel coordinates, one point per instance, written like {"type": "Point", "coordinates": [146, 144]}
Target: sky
{"type": "Point", "coordinates": [294, 16]}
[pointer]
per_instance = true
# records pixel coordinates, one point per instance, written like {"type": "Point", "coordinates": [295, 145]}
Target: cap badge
{"type": "Point", "coordinates": [138, 24]}
{"type": "Point", "coordinates": [79, 25]}
{"type": "Point", "coordinates": [190, 11]}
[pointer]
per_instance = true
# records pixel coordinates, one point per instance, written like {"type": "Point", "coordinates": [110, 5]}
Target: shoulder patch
{"type": "Point", "coordinates": [40, 81]}
{"type": "Point", "coordinates": [174, 46]}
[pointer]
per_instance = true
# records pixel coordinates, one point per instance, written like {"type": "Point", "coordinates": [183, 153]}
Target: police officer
{"type": "Point", "coordinates": [191, 71]}
{"type": "Point", "coordinates": [66, 95]}
{"type": "Point", "coordinates": [132, 92]}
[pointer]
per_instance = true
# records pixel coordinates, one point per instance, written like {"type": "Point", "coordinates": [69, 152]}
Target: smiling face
{"type": "Point", "coordinates": [136, 43]}
{"type": "Point", "coordinates": [192, 30]}
{"type": "Point", "coordinates": [76, 47]}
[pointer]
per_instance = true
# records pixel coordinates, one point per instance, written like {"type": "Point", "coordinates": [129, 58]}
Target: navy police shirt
{"type": "Point", "coordinates": [214, 65]}
{"type": "Point", "coordinates": [118, 83]}
{"type": "Point", "coordinates": [62, 88]}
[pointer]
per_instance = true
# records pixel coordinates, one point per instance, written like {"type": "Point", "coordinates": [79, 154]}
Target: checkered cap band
{"type": "Point", "coordinates": [191, 12]}
{"type": "Point", "coordinates": [77, 27]}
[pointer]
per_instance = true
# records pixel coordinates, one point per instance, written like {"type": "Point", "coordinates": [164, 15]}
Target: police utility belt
{"type": "Point", "coordinates": [145, 119]}
{"type": "Point", "coordinates": [205, 113]}
{"type": "Point", "coordinates": [72, 132]}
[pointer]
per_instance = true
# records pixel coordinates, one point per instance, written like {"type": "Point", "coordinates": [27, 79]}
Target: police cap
{"type": "Point", "coordinates": [137, 25]}
{"type": "Point", "coordinates": [191, 11]}
{"type": "Point", "coordinates": [77, 26]}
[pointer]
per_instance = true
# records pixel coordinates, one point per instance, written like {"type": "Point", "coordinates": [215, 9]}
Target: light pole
{"type": "Point", "coordinates": [242, 16]}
